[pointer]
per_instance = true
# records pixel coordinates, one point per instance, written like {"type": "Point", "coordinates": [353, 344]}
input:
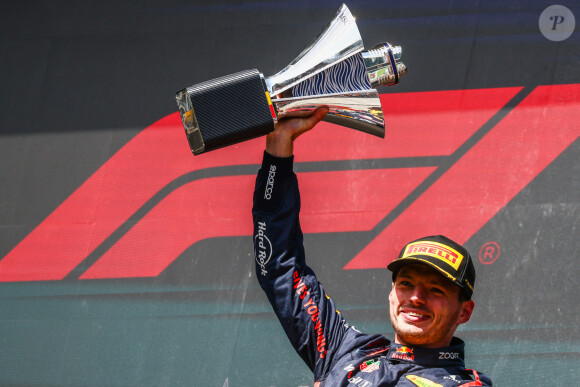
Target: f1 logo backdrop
{"type": "Point", "coordinates": [451, 160]}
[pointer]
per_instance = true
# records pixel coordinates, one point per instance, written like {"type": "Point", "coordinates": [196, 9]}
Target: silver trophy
{"type": "Point", "coordinates": [333, 71]}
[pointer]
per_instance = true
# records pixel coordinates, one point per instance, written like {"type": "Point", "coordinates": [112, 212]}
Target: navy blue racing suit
{"type": "Point", "coordinates": [337, 353]}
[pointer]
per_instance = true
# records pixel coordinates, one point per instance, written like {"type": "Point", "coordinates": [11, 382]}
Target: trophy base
{"type": "Point", "coordinates": [225, 111]}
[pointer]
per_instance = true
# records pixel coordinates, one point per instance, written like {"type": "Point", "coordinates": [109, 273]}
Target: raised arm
{"type": "Point", "coordinates": [308, 316]}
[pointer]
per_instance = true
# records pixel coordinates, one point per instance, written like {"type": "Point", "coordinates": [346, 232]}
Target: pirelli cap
{"type": "Point", "coordinates": [448, 257]}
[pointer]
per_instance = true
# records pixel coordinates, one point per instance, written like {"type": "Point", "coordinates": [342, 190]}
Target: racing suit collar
{"type": "Point", "coordinates": [453, 355]}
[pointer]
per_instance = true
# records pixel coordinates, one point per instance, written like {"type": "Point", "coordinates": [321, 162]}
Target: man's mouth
{"type": "Point", "coordinates": [414, 315]}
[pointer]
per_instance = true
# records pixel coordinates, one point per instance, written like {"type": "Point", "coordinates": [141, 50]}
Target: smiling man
{"type": "Point", "coordinates": [433, 279]}
{"type": "Point", "coordinates": [432, 286]}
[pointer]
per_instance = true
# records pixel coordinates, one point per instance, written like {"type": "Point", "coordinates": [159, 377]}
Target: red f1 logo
{"type": "Point", "coordinates": [451, 160]}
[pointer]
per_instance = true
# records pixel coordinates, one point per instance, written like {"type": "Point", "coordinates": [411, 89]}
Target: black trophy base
{"type": "Point", "coordinates": [225, 111]}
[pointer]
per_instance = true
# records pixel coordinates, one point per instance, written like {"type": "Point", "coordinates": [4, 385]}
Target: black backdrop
{"type": "Point", "coordinates": [80, 80]}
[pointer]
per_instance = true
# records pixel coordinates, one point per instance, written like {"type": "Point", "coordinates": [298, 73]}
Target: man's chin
{"type": "Point", "coordinates": [411, 334]}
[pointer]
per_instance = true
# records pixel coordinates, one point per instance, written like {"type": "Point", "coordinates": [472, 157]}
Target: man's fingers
{"type": "Point", "coordinates": [309, 122]}
{"type": "Point", "coordinates": [303, 113]}
{"type": "Point", "coordinates": [317, 116]}
{"type": "Point", "coordinates": [280, 141]}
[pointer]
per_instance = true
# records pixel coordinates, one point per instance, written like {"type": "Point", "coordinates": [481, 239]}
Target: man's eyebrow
{"type": "Point", "coordinates": [404, 275]}
{"type": "Point", "coordinates": [439, 280]}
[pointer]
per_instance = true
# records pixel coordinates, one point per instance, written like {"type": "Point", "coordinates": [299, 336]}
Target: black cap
{"type": "Point", "coordinates": [448, 257]}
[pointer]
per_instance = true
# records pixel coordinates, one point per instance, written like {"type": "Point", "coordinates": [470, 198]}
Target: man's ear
{"type": "Point", "coordinates": [466, 311]}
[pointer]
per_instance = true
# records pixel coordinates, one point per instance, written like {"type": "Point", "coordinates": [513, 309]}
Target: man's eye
{"type": "Point", "coordinates": [405, 283]}
{"type": "Point", "coordinates": [437, 290]}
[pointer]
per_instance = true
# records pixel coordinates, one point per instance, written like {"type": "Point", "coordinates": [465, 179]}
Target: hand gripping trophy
{"type": "Point", "coordinates": [334, 71]}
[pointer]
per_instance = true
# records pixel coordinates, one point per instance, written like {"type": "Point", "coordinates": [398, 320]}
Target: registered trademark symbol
{"type": "Point", "coordinates": [489, 253]}
{"type": "Point", "coordinates": [557, 23]}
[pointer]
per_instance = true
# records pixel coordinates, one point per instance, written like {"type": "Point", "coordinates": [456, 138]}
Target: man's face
{"type": "Point", "coordinates": [425, 308]}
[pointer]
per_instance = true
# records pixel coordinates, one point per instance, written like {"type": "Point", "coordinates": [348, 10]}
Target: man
{"type": "Point", "coordinates": [433, 280]}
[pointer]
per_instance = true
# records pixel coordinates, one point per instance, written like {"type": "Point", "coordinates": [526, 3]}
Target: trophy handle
{"type": "Point", "coordinates": [356, 110]}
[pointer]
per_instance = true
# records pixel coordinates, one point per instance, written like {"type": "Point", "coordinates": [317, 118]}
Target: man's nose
{"type": "Point", "coordinates": [418, 295]}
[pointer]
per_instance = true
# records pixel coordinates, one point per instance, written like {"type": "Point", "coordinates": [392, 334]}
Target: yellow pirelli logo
{"type": "Point", "coordinates": [436, 250]}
